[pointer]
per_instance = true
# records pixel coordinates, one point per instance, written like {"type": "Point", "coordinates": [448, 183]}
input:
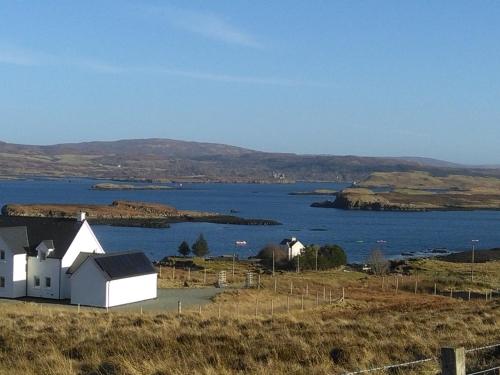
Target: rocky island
{"type": "Point", "coordinates": [129, 214]}
{"type": "Point", "coordinates": [419, 191]}
{"type": "Point", "coordinates": [111, 186]}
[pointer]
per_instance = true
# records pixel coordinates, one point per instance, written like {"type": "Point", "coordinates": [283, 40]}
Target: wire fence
{"type": "Point", "coordinates": [492, 370]}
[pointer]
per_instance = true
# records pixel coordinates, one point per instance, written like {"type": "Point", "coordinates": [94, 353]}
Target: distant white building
{"type": "Point", "coordinates": [293, 247]}
{"type": "Point", "coordinates": [37, 253]}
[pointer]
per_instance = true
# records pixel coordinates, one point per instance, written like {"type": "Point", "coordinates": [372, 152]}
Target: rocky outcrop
{"type": "Point", "coordinates": [128, 213]}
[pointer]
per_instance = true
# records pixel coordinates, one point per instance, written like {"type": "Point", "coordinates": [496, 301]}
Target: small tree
{"type": "Point", "coordinates": [184, 249]}
{"type": "Point", "coordinates": [269, 251]}
{"type": "Point", "coordinates": [200, 247]}
{"type": "Point", "coordinates": [377, 262]}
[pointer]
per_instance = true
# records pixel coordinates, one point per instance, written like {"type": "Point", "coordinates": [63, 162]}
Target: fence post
{"type": "Point", "coordinates": [435, 289]}
{"type": "Point", "coordinates": [275, 284]}
{"type": "Point", "coordinates": [469, 294]}
{"type": "Point", "coordinates": [302, 303]}
{"type": "Point", "coordinates": [189, 273]}
{"type": "Point", "coordinates": [205, 276]}
{"type": "Point", "coordinates": [179, 307]}
{"type": "Point", "coordinates": [287, 303]}
{"type": "Point", "coordinates": [453, 361]}
{"type": "Point", "coordinates": [291, 287]}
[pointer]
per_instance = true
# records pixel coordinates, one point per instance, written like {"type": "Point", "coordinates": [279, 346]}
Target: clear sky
{"type": "Point", "coordinates": [332, 77]}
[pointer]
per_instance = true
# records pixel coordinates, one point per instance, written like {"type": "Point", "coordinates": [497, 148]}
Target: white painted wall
{"type": "Point", "coordinates": [19, 275]}
{"type": "Point", "coordinates": [85, 241]}
{"type": "Point", "coordinates": [132, 289]}
{"type": "Point", "coordinates": [296, 249]}
{"type": "Point", "coordinates": [89, 285]}
{"type": "Point", "coordinates": [6, 271]}
{"type": "Point", "coordinates": [43, 268]}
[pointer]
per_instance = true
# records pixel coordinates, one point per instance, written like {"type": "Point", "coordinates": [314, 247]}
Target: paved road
{"type": "Point", "coordinates": [166, 301]}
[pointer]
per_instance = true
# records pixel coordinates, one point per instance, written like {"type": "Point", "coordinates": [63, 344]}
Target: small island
{"type": "Point", "coordinates": [418, 191]}
{"type": "Point", "coordinates": [111, 186]}
{"type": "Point", "coordinates": [128, 214]}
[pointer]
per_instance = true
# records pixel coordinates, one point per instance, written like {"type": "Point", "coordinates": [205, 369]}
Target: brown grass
{"type": "Point", "coordinates": [371, 327]}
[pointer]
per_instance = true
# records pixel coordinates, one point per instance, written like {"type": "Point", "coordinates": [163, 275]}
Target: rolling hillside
{"type": "Point", "coordinates": [171, 160]}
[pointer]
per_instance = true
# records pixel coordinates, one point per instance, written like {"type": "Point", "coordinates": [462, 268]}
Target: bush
{"type": "Point", "coordinates": [328, 256]}
{"type": "Point", "coordinates": [280, 256]}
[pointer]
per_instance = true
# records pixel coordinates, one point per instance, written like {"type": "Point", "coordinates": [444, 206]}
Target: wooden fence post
{"type": "Point", "coordinates": [179, 307]}
{"type": "Point", "coordinates": [287, 303]}
{"type": "Point", "coordinates": [189, 273]}
{"type": "Point", "coordinates": [291, 287]}
{"type": "Point", "coordinates": [397, 285]}
{"type": "Point", "coordinates": [435, 289]}
{"type": "Point", "coordinates": [258, 281]}
{"type": "Point", "coordinates": [302, 303]}
{"type": "Point", "coordinates": [469, 294]}
{"type": "Point", "coordinates": [307, 289]}
{"type": "Point", "coordinates": [275, 284]}
{"type": "Point", "coordinates": [173, 273]}
{"type": "Point", "coordinates": [205, 276]}
{"type": "Point", "coordinates": [453, 361]}
{"type": "Point", "coordinates": [272, 309]}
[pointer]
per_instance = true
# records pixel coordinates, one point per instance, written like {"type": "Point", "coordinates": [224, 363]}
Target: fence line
{"type": "Point", "coordinates": [485, 371]}
{"type": "Point", "coordinates": [407, 364]}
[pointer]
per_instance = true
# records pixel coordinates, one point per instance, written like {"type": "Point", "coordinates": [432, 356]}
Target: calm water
{"type": "Point", "coordinates": [357, 232]}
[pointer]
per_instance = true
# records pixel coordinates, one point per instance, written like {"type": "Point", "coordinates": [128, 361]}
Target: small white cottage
{"type": "Point", "coordinates": [292, 246]}
{"type": "Point", "coordinates": [115, 279]}
{"type": "Point", "coordinates": [36, 255]}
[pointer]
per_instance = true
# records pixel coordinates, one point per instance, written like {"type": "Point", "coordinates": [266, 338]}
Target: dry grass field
{"type": "Point", "coordinates": [262, 330]}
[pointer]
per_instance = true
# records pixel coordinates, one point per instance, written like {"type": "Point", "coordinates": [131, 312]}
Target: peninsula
{"type": "Point", "coordinates": [419, 191]}
{"type": "Point", "coordinates": [128, 214]}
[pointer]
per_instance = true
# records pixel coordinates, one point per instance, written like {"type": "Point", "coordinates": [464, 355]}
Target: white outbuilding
{"type": "Point", "coordinates": [114, 279]}
{"type": "Point", "coordinates": [293, 247]}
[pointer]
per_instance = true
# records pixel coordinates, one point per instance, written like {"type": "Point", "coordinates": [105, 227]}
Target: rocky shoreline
{"type": "Point", "coordinates": [129, 214]}
{"type": "Point", "coordinates": [411, 201]}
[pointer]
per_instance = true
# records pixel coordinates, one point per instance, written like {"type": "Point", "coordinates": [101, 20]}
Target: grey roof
{"type": "Point", "coordinates": [16, 238]}
{"type": "Point", "coordinates": [121, 265]}
{"type": "Point", "coordinates": [49, 244]}
{"type": "Point", "coordinates": [61, 231]}
{"type": "Point", "coordinates": [82, 257]}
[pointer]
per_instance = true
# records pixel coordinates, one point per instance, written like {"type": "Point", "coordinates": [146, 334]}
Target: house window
{"type": "Point", "coordinates": [47, 282]}
{"type": "Point", "coordinates": [42, 255]}
{"type": "Point", "coordinates": [2, 254]}
{"type": "Point", "coordinates": [2, 282]}
{"type": "Point", "coordinates": [36, 281]}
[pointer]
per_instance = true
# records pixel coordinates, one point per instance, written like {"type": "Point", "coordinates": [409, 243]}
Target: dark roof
{"type": "Point", "coordinates": [15, 238]}
{"type": "Point", "coordinates": [288, 242]}
{"type": "Point", "coordinates": [82, 257]}
{"type": "Point", "coordinates": [61, 231]}
{"type": "Point", "coordinates": [121, 265]}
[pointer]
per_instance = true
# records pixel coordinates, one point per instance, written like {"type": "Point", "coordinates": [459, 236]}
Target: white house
{"type": "Point", "coordinates": [37, 253]}
{"type": "Point", "coordinates": [293, 247]}
{"type": "Point", "coordinates": [115, 279]}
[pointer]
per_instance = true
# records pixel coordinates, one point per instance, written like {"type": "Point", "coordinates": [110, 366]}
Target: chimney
{"type": "Point", "coordinates": [294, 239]}
{"type": "Point", "coordinates": [82, 216]}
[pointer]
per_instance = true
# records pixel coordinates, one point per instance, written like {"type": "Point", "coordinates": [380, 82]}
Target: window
{"type": "Point", "coordinates": [2, 254]}
{"type": "Point", "coordinates": [42, 255]}
{"type": "Point", "coordinates": [47, 282]}
{"type": "Point", "coordinates": [36, 281]}
{"type": "Point", "coordinates": [2, 282]}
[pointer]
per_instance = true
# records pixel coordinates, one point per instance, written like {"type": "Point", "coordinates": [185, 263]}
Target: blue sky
{"type": "Point", "coordinates": [330, 77]}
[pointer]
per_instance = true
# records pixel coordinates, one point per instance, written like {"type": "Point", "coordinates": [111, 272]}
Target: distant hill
{"type": "Point", "coordinates": [171, 160]}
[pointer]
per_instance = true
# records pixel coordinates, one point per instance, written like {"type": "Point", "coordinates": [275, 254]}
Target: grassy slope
{"type": "Point", "coordinates": [373, 327]}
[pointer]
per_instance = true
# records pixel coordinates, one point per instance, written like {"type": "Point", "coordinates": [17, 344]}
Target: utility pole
{"type": "Point", "coordinates": [474, 242]}
{"type": "Point", "coordinates": [316, 259]}
{"type": "Point", "coordinates": [273, 263]}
